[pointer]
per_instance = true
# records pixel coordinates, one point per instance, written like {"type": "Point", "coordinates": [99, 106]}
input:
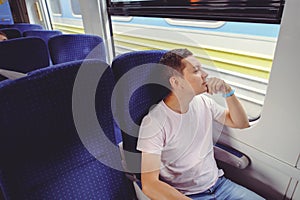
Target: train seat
{"type": "Point", "coordinates": [71, 47]}
{"type": "Point", "coordinates": [134, 96]}
{"type": "Point", "coordinates": [23, 54]}
{"type": "Point", "coordinates": [23, 26]}
{"type": "Point", "coordinates": [42, 154]}
{"type": "Point", "coordinates": [11, 32]}
{"type": "Point", "coordinates": [44, 35]}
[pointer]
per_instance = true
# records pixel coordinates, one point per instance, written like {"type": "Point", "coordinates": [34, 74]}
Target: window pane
{"type": "Point", "coordinates": [55, 6]}
{"type": "Point", "coordinates": [238, 52]}
{"type": "Point", "coordinates": [76, 7]}
{"type": "Point", "coordinates": [66, 21]}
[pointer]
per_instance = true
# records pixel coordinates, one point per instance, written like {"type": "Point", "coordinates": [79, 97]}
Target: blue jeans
{"type": "Point", "coordinates": [224, 189]}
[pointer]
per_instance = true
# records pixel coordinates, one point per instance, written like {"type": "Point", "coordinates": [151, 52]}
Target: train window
{"type": "Point", "coordinates": [55, 7]}
{"type": "Point", "coordinates": [69, 20]}
{"type": "Point", "coordinates": [241, 53]}
{"type": "Point", "coordinates": [75, 7]}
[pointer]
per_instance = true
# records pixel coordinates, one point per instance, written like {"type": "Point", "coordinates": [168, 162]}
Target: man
{"type": "Point", "coordinates": [176, 136]}
{"type": "Point", "coordinates": [3, 36]}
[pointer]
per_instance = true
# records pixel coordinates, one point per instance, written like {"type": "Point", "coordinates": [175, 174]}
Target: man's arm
{"type": "Point", "coordinates": [235, 116]}
{"type": "Point", "coordinates": [151, 185]}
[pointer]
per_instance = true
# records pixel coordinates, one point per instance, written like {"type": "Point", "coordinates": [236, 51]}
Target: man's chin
{"type": "Point", "coordinates": [202, 92]}
{"type": "Point", "coordinates": [205, 90]}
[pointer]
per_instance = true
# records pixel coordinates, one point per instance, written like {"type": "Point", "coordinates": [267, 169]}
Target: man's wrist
{"type": "Point", "coordinates": [229, 94]}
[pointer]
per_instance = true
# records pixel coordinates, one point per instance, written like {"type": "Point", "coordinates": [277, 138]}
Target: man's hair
{"type": "Point", "coordinates": [172, 60]}
{"type": "Point", "coordinates": [174, 57]}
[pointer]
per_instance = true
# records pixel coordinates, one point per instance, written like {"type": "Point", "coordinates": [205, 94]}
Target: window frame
{"type": "Point", "coordinates": [267, 11]}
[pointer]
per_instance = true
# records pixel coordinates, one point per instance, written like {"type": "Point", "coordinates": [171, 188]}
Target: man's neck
{"type": "Point", "coordinates": [178, 103]}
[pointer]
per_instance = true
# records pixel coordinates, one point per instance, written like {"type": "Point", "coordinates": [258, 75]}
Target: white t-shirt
{"type": "Point", "coordinates": [184, 142]}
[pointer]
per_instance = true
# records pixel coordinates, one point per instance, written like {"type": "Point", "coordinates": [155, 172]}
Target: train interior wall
{"type": "Point", "coordinates": [272, 143]}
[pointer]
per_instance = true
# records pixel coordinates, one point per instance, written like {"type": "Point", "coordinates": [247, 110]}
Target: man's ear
{"type": "Point", "coordinates": [174, 82]}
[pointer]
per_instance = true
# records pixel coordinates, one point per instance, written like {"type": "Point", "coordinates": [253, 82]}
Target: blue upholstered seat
{"type": "Point", "coordinates": [133, 72]}
{"type": "Point", "coordinates": [43, 155]}
{"type": "Point", "coordinates": [23, 26]}
{"type": "Point", "coordinates": [23, 54]}
{"type": "Point", "coordinates": [71, 47]}
{"type": "Point", "coordinates": [11, 33]}
{"type": "Point", "coordinates": [43, 34]}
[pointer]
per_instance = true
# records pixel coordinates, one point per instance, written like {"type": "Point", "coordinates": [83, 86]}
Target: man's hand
{"type": "Point", "coordinates": [216, 85]}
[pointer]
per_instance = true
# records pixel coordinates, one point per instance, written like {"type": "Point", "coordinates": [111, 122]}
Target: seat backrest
{"type": "Point", "coordinates": [43, 34]}
{"type": "Point", "coordinates": [135, 94]}
{"type": "Point", "coordinates": [44, 153]}
{"type": "Point", "coordinates": [11, 32]}
{"type": "Point", "coordinates": [23, 26]}
{"type": "Point", "coordinates": [23, 54]}
{"type": "Point", "coordinates": [71, 47]}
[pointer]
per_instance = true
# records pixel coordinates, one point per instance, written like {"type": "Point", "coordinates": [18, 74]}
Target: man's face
{"type": "Point", "coordinates": [2, 38]}
{"type": "Point", "coordinates": [194, 76]}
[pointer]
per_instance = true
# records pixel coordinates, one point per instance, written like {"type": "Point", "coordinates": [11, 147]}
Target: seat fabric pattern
{"type": "Point", "coordinates": [71, 47]}
{"type": "Point", "coordinates": [42, 155]}
{"type": "Point", "coordinates": [43, 34]}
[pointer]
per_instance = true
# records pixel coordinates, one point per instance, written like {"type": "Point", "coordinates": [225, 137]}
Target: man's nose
{"type": "Point", "coordinates": [204, 74]}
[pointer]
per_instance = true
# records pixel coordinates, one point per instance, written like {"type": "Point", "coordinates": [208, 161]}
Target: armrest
{"type": "Point", "coordinates": [135, 181]}
{"type": "Point", "coordinates": [139, 193]}
{"type": "Point", "coordinates": [231, 156]}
